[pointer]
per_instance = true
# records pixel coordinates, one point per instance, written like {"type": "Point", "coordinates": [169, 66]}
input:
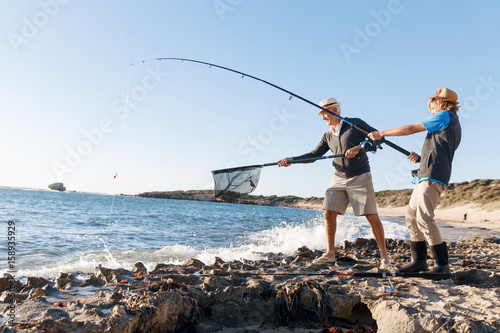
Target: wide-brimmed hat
{"type": "Point", "coordinates": [328, 102]}
{"type": "Point", "coordinates": [446, 95]}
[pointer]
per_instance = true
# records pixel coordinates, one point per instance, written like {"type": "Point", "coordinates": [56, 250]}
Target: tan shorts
{"type": "Point", "coordinates": [358, 191]}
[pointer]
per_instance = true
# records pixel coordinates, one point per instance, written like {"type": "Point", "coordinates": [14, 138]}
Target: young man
{"type": "Point", "coordinates": [443, 137]}
{"type": "Point", "coordinates": [352, 181]}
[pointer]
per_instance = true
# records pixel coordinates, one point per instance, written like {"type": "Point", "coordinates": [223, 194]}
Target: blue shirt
{"type": "Point", "coordinates": [437, 122]}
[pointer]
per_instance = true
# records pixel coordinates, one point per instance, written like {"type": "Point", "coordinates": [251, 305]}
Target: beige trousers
{"type": "Point", "coordinates": [420, 212]}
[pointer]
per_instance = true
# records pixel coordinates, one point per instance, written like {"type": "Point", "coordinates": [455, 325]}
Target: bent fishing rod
{"type": "Point", "coordinates": [362, 130]}
{"type": "Point", "coordinates": [380, 275]}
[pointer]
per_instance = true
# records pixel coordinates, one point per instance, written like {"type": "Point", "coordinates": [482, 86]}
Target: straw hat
{"type": "Point", "coordinates": [446, 95]}
{"type": "Point", "coordinates": [328, 102]}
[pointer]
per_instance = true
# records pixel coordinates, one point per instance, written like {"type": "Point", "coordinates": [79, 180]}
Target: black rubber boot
{"type": "Point", "coordinates": [440, 254]}
{"type": "Point", "coordinates": [418, 259]}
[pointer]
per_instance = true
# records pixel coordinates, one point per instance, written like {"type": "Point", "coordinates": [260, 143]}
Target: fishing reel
{"type": "Point", "coordinates": [388, 290]}
{"type": "Point", "coordinates": [369, 146]}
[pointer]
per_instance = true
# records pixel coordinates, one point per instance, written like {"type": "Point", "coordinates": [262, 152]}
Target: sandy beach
{"type": "Point", "coordinates": [477, 217]}
{"type": "Point", "coordinates": [484, 218]}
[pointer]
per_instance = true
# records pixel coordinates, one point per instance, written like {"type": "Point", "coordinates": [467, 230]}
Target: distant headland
{"type": "Point", "coordinates": [481, 192]}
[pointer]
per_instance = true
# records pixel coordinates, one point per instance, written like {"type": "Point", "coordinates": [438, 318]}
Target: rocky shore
{"type": "Point", "coordinates": [280, 294]}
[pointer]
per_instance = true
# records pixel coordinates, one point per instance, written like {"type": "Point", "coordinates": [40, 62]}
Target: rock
{"type": "Point", "coordinates": [218, 262]}
{"type": "Point", "coordinates": [478, 277]}
{"type": "Point", "coordinates": [119, 310]}
{"type": "Point", "coordinates": [171, 312]}
{"type": "Point", "coordinates": [37, 293]}
{"type": "Point", "coordinates": [54, 314]}
{"type": "Point", "coordinates": [57, 187]}
{"type": "Point", "coordinates": [139, 267]}
{"type": "Point", "coordinates": [390, 318]}
{"type": "Point", "coordinates": [61, 283]}
{"type": "Point", "coordinates": [36, 282]}
{"type": "Point", "coordinates": [93, 281]}
{"type": "Point", "coordinates": [105, 274]}
{"type": "Point", "coordinates": [94, 312]}
{"type": "Point", "coordinates": [10, 284]}
{"type": "Point", "coordinates": [301, 260]}
{"type": "Point", "coordinates": [363, 242]}
{"type": "Point", "coordinates": [305, 252]}
{"type": "Point", "coordinates": [110, 297]}
{"type": "Point", "coordinates": [8, 297]}
{"type": "Point", "coordinates": [213, 283]}
{"type": "Point", "coordinates": [231, 314]}
{"type": "Point", "coordinates": [112, 275]}
{"type": "Point", "coordinates": [209, 327]}
{"type": "Point", "coordinates": [194, 263]}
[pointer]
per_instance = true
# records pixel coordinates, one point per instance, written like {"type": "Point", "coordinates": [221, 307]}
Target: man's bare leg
{"type": "Point", "coordinates": [330, 228]}
{"type": "Point", "coordinates": [378, 232]}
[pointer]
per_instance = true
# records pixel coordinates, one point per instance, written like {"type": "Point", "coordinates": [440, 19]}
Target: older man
{"type": "Point", "coordinates": [351, 182]}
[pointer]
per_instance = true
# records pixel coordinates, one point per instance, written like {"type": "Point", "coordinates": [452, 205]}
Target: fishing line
{"type": "Point", "coordinates": [120, 154]}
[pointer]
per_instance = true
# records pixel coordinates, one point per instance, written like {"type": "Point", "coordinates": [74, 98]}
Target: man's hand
{"type": "Point", "coordinates": [284, 162]}
{"type": "Point", "coordinates": [350, 153]}
{"type": "Point", "coordinates": [414, 157]}
{"type": "Point", "coordinates": [375, 136]}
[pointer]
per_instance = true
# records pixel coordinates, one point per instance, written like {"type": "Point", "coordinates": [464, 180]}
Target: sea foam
{"type": "Point", "coordinates": [283, 238]}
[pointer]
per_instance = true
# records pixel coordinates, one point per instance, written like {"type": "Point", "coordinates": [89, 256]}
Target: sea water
{"type": "Point", "coordinates": [75, 232]}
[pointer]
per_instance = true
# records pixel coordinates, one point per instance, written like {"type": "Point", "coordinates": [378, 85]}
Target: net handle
{"type": "Point", "coordinates": [214, 172]}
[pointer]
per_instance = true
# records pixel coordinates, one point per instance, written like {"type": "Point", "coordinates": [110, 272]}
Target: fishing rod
{"type": "Point", "coordinates": [292, 94]}
{"type": "Point", "coordinates": [381, 275]}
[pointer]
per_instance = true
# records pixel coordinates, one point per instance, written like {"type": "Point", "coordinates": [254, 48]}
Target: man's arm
{"type": "Point", "coordinates": [320, 150]}
{"type": "Point", "coordinates": [398, 131]}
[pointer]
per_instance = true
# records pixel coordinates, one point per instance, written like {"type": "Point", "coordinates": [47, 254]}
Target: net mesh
{"type": "Point", "coordinates": [236, 181]}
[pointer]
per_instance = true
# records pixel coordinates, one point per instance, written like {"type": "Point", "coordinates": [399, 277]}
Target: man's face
{"type": "Point", "coordinates": [330, 119]}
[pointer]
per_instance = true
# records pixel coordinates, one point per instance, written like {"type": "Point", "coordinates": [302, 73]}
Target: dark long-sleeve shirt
{"type": "Point", "coordinates": [349, 137]}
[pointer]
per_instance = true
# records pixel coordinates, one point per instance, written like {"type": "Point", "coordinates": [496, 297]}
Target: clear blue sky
{"type": "Point", "coordinates": [65, 68]}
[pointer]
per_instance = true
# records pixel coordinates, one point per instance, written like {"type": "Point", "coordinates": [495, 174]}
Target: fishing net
{"type": "Point", "coordinates": [243, 180]}
{"type": "Point", "coordinates": [236, 180]}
